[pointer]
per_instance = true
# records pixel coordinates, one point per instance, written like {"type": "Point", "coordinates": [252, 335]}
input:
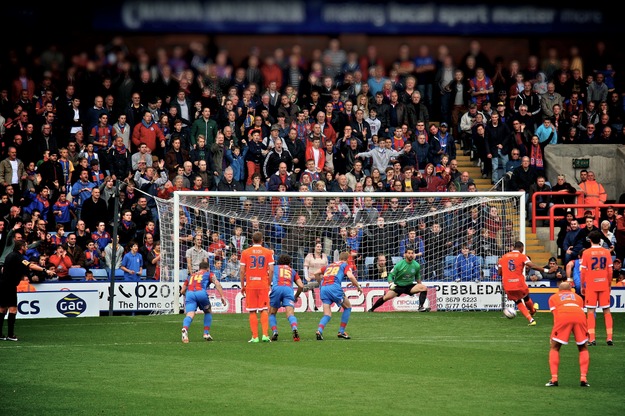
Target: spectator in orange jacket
{"type": "Point", "coordinates": [594, 193]}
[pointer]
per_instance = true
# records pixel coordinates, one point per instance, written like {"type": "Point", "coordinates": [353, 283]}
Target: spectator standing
{"type": "Point", "coordinates": [147, 131]}
{"type": "Point", "coordinates": [94, 210]}
{"type": "Point", "coordinates": [597, 89]}
{"type": "Point", "coordinates": [481, 87]}
{"type": "Point", "coordinates": [12, 170]}
{"type": "Point", "coordinates": [119, 159]}
{"type": "Point", "coordinates": [108, 257]}
{"type": "Point", "coordinates": [466, 126]}
{"type": "Point", "coordinates": [132, 264]}
{"type": "Point", "coordinates": [205, 126]}
{"type": "Point", "coordinates": [549, 99]}
{"type": "Point", "coordinates": [466, 266]}
{"type": "Point", "coordinates": [531, 100]}
{"type": "Point", "coordinates": [498, 134]}
{"type": "Point", "coordinates": [594, 193]}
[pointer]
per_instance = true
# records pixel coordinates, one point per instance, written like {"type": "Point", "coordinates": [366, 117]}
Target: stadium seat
{"type": "Point", "coordinates": [448, 270]}
{"type": "Point", "coordinates": [369, 262]}
{"type": "Point", "coordinates": [480, 261]}
{"type": "Point", "coordinates": [100, 274]}
{"type": "Point", "coordinates": [183, 275]}
{"type": "Point", "coordinates": [491, 261]}
{"type": "Point", "coordinates": [489, 264]}
{"type": "Point", "coordinates": [396, 259]}
{"type": "Point", "coordinates": [77, 273]}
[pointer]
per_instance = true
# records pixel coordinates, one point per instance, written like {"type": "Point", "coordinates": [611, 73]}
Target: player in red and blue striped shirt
{"type": "Point", "coordinates": [282, 295]}
{"type": "Point", "coordinates": [331, 277]}
{"type": "Point", "coordinates": [195, 289]}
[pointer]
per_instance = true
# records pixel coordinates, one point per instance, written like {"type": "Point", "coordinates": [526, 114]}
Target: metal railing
{"type": "Point", "coordinates": [593, 207]}
{"type": "Point", "coordinates": [535, 217]}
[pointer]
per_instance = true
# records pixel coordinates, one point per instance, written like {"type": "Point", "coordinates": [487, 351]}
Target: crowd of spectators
{"type": "Point", "coordinates": [74, 127]}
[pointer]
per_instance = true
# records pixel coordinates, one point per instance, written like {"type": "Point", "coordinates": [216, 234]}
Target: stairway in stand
{"type": "Point", "coordinates": [465, 164]}
{"type": "Point", "coordinates": [534, 247]}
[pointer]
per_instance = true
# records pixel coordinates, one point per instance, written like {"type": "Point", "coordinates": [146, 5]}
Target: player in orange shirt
{"type": "Point", "coordinates": [596, 275]}
{"type": "Point", "coordinates": [511, 267]}
{"type": "Point", "coordinates": [256, 269]}
{"type": "Point", "coordinates": [568, 316]}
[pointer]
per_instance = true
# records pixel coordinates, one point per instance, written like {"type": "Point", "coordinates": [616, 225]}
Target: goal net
{"type": "Point", "coordinates": [376, 228]}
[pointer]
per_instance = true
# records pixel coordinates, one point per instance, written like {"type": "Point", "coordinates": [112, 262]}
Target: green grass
{"type": "Point", "coordinates": [396, 363]}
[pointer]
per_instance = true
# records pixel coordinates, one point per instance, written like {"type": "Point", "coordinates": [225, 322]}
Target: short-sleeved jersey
{"type": "Point", "coordinates": [256, 261]}
{"type": "Point", "coordinates": [566, 303]}
{"type": "Point", "coordinates": [596, 268]}
{"type": "Point", "coordinates": [15, 268]}
{"type": "Point", "coordinates": [335, 273]}
{"type": "Point", "coordinates": [404, 273]}
{"type": "Point", "coordinates": [199, 281]}
{"type": "Point", "coordinates": [284, 275]}
{"type": "Point", "coordinates": [512, 267]}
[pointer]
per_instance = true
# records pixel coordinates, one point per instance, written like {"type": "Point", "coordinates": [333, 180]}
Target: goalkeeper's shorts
{"type": "Point", "coordinates": [403, 290]}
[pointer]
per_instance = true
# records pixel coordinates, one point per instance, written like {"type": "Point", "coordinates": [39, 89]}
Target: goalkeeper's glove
{"type": "Point", "coordinates": [392, 286]}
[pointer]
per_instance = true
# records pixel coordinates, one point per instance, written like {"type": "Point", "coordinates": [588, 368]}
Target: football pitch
{"type": "Point", "coordinates": [443, 363]}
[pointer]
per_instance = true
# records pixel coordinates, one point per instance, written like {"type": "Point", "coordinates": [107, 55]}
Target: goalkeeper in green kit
{"type": "Point", "coordinates": [402, 281]}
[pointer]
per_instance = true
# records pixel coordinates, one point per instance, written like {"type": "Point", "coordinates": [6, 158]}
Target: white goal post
{"type": "Point", "coordinates": [375, 227]}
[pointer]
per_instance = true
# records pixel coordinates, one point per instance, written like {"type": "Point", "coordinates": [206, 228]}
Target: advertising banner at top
{"type": "Point", "coordinates": [331, 17]}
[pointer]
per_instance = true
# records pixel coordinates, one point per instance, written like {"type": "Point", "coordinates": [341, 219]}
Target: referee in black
{"type": "Point", "coordinates": [15, 268]}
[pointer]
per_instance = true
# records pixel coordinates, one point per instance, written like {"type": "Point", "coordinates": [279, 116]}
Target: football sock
{"type": "Point", "coordinates": [584, 361]}
{"type": "Point", "coordinates": [607, 316]}
{"type": "Point", "coordinates": [378, 303]}
{"type": "Point", "coordinates": [591, 324]}
{"type": "Point", "coordinates": [2, 315]}
{"type": "Point", "coordinates": [422, 297]}
{"type": "Point", "coordinates": [523, 309]}
{"type": "Point", "coordinates": [530, 305]}
{"type": "Point", "coordinates": [208, 320]}
{"type": "Point", "coordinates": [11, 324]}
{"type": "Point", "coordinates": [293, 322]}
{"type": "Point", "coordinates": [273, 322]}
{"type": "Point", "coordinates": [254, 324]}
{"type": "Point", "coordinates": [187, 321]}
{"type": "Point", "coordinates": [554, 363]}
{"type": "Point", "coordinates": [264, 322]}
{"type": "Point", "coordinates": [345, 318]}
{"type": "Point", "coordinates": [323, 322]}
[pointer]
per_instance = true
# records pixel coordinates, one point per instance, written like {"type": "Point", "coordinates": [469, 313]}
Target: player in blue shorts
{"type": "Point", "coordinates": [282, 295]}
{"type": "Point", "coordinates": [195, 289]}
{"type": "Point", "coordinates": [331, 277]}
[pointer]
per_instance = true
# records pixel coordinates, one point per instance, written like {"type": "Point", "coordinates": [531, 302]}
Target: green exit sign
{"type": "Point", "coordinates": [581, 163]}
